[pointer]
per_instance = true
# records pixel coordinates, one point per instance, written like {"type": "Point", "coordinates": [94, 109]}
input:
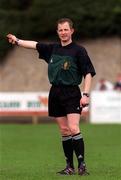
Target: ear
{"type": "Point", "coordinates": [72, 30]}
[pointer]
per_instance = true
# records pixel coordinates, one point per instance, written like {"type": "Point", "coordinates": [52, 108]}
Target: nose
{"type": "Point", "coordinates": [62, 31]}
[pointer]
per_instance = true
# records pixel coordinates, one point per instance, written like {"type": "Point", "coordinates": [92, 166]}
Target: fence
{"type": "Point", "coordinates": [105, 107]}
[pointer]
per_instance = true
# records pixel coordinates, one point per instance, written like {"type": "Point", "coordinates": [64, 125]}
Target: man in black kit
{"type": "Point", "coordinates": [68, 63]}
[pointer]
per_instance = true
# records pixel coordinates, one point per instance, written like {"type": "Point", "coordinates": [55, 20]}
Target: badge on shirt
{"type": "Point", "coordinates": [66, 65]}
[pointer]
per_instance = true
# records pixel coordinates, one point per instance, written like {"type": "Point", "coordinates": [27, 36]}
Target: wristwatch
{"type": "Point", "coordinates": [86, 94]}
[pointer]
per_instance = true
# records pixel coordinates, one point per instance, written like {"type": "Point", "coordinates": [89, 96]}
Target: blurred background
{"type": "Point", "coordinates": [33, 152]}
{"type": "Point", "coordinates": [97, 28]}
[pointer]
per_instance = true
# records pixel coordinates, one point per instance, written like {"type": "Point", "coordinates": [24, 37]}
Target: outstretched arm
{"type": "Point", "coordinates": [23, 43]}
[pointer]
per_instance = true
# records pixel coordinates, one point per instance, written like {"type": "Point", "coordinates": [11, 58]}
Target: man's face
{"type": "Point", "coordinates": [65, 32]}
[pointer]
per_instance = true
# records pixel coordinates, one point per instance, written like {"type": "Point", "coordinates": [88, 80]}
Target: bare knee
{"type": "Point", "coordinates": [63, 126]}
{"type": "Point", "coordinates": [65, 131]}
{"type": "Point", "coordinates": [73, 123]}
{"type": "Point", "coordinates": [74, 130]}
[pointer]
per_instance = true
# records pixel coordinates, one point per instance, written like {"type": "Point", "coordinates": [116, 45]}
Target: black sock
{"type": "Point", "coordinates": [68, 149]}
{"type": "Point", "coordinates": [78, 146]}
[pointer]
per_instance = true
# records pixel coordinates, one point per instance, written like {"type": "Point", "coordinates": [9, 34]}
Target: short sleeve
{"type": "Point", "coordinates": [84, 63]}
{"type": "Point", "coordinates": [44, 50]}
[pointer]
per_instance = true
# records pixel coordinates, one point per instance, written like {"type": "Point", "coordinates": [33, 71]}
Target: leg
{"type": "Point", "coordinates": [63, 126]}
{"type": "Point", "coordinates": [67, 145]}
{"type": "Point", "coordinates": [78, 143]}
{"type": "Point", "coordinates": [73, 123]}
{"type": "Point", "coordinates": [57, 110]}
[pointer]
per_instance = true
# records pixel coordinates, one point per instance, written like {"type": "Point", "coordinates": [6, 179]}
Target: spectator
{"type": "Point", "coordinates": [117, 84]}
{"type": "Point", "coordinates": [104, 85]}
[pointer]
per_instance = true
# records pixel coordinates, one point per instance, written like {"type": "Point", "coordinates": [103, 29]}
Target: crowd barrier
{"type": "Point", "coordinates": [24, 104]}
{"type": "Point", "coordinates": [105, 107]}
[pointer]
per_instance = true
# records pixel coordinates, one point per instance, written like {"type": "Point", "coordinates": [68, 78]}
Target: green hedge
{"type": "Point", "coordinates": [92, 18]}
{"type": "Point", "coordinates": [11, 23]}
{"type": "Point", "coordinates": [35, 19]}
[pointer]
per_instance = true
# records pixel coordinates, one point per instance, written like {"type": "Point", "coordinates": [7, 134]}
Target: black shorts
{"type": "Point", "coordinates": [64, 100]}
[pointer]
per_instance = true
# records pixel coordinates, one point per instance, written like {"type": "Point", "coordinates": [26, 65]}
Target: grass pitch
{"type": "Point", "coordinates": [34, 152]}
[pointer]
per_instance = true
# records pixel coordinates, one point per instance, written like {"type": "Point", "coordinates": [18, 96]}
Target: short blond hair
{"type": "Point", "coordinates": [63, 20]}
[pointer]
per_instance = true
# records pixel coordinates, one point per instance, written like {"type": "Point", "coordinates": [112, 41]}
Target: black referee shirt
{"type": "Point", "coordinates": [66, 64]}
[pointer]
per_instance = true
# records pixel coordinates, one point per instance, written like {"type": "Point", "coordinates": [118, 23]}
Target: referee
{"type": "Point", "coordinates": [68, 64]}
